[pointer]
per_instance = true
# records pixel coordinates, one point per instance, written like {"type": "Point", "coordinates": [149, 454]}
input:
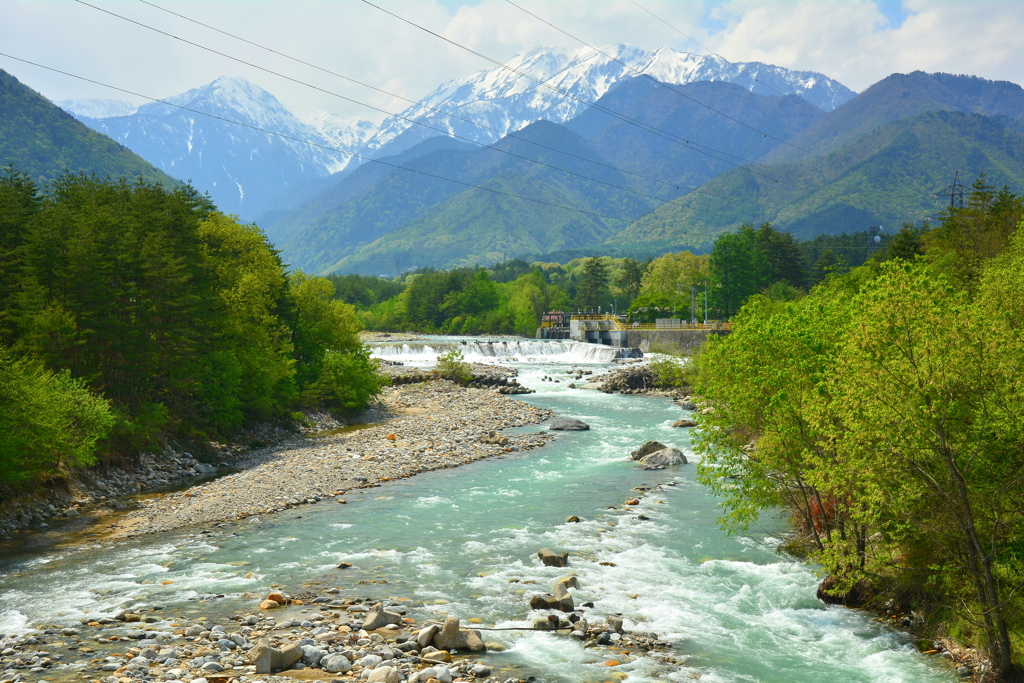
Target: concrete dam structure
{"type": "Point", "coordinates": [670, 336]}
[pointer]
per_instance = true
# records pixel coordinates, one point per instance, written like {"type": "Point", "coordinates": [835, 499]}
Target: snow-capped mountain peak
{"type": "Point", "coordinates": [553, 84]}
{"type": "Point", "coordinates": [242, 167]}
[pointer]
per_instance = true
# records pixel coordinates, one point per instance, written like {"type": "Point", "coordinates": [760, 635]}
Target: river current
{"type": "Point", "coordinates": [464, 542]}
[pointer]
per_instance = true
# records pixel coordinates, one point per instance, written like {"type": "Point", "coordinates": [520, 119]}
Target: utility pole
{"type": "Point", "coordinates": [955, 192]}
{"type": "Point", "coordinates": [705, 302]}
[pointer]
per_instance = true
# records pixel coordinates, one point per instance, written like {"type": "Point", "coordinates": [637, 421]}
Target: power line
{"type": "Point", "coordinates": [622, 117]}
{"type": "Point", "coordinates": [799, 100]}
{"type": "Point", "coordinates": [659, 83]}
{"type": "Point", "coordinates": [333, 149]}
{"type": "Point", "coordinates": [410, 101]}
{"type": "Point", "coordinates": [420, 123]}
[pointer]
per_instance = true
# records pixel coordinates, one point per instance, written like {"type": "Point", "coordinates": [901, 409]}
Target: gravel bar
{"type": "Point", "coordinates": [437, 425]}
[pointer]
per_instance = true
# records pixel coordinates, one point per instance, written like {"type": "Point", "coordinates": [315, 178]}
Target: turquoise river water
{"type": "Point", "coordinates": [462, 541]}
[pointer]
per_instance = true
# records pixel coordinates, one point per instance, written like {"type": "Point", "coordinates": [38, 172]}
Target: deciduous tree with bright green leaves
{"type": "Point", "coordinates": [885, 411]}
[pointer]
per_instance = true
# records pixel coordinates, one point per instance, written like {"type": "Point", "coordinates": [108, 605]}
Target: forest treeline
{"type": "Point", "coordinates": [885, 411]}
{"type": "Point", "coordinates": [130, 312]}
{"type": "Point", "coordinates": [511, 297]}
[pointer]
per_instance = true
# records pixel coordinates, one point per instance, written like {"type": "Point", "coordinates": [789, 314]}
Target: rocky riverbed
{"type": "Point", "coordinates": [321, 634]}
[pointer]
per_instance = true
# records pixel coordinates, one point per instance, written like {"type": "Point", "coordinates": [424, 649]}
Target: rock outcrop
{"type": "Point", "coordinates": [550, 558]}
{"type": "Point", "coordinates": [666, 457]}
{"type": "Point", "coordinates": [647, 449]}
{"type": "Point", "coordinates": [568, 425]}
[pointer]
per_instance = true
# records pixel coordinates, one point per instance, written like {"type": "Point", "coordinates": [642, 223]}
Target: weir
{"type": "Point", "coordinates": [480, 351]}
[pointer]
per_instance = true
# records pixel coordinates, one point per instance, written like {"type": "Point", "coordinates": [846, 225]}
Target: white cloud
{"type": "Point", "coordinates": [848, 40]}
{"type": "Point", "coordinates": [851, 41]}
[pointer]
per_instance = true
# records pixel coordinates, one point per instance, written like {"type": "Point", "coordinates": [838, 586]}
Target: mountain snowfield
{"type": "Point", "coordinates": [97, 109]}
{"type": "Point", "coordinates": [556, 85]}
{"type": "Point", "coordinates": [242, 167]}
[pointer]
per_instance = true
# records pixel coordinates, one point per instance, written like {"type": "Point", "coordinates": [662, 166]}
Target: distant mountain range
{"type": "Point", "coordinates": [379, 213]}
{"type": "Point", "coordinates": [670, 158]}
{"type": "Point", "coordinates": [554, 85]}
{"type": "Point", "coordinates": [905, 136]}
{"type": "Point", "coordinates": [254, 174]}
{"type": "Point", "coordinates": [43, 141]}
{"type": "Point", "coordinates": [243, 169]}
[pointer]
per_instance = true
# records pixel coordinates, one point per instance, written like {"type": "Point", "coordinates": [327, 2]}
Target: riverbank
{"type": "Point", "coordinates": [104, 491]}
{"type": "Point", "coordinates": [435, 425]}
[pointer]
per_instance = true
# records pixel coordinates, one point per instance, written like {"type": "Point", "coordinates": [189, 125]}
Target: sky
{"type": "Point", "coordinates": [857, 42]}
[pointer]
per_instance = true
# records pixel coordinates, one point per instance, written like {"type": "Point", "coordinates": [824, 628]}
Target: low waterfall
{"type": "Point", "coordinates": [478, 351]}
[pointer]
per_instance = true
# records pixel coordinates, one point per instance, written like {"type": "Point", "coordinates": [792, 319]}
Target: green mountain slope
{"type": "Point", "coordinates": [406, 207]}
{"type": "Point", "coordinates": [901, 96]}
{"type": "Point", "coordinates": [324, 206]}
{"type": "Point", "coordinates": [886, 177]}
{"type": "Point", "coordinates": [333, 230]}
{"type": "Point", "coordinates": [478, 227]}
{"type": "Point", "coordinates": [42, 140]}
{"type": "Point", "coordinates": [712, 141]}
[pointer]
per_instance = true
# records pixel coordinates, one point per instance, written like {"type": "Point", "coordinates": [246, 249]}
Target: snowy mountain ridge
{"type": "Point", "coordinates": [97, 108]}
{"type": "Point", "coordinates": [554, 84]}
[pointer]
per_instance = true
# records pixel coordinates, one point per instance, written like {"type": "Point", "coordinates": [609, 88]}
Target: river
{"type": "Point", "coordinates": [464, 542]}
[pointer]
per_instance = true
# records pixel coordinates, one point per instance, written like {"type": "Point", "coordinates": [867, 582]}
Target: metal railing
{"type": "Point", "coordinates": [618, 324]}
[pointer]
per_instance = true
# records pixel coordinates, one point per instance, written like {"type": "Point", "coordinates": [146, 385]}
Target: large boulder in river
{"type": "Point", "coordinates": [549, 558]}
{"type": "Point", "coordinates": [664, 458]}
{"type": "Point", "coordinates": [564, 424]}
{"type": "Point", "coordinates": [685, 423]}
{"type": "Point", "coordinates": [451, 637]}
{"type": "Point", "coordinates": [267, 659]}
{"type": "Point", "coordinates": [564, 597]}
{"type": "Point", "coordinates": [379, 617]}
{"type": "Point", "coordinates": [647, 449]}
{"type": "Point", "coordinates": [561, 600]}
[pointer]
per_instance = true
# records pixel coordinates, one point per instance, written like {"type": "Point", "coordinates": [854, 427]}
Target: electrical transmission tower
{"type": "Point", "coordinates": [955, 192]}
{"type": "Point", "coordinates": [874, 238]}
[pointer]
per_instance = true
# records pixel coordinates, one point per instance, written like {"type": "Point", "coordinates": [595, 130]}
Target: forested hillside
{"type": "Point", "coordinates": [43, 141]}
{"type": "Point", "coordinates": [901, 96]}
{"type": "Point", "coordinates": [131, 313]}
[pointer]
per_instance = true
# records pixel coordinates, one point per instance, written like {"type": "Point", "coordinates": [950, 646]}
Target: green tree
{"type": "Point", "coordinates": [739, 269]}
{"type": "Point", "coordinates": [675, 276]}
{"type": "Point", "coordinates": [965, 238]}
{"type": "Point", "coordinates": [594, 282]}
{"type": "Point", "coordinates": [332, 365]}
{"type": "Point", "coordinates": [784, 259]}
{"type": "Point", "coordinates": [907, 244]}
{"type": "Point", "coordinates": [250, 373]}
{"type": "Point", "coordinates": [925, 407]}
{"type": "Point", "coordinates": [49, 422]}
{"type": "Point", "coordinates": [630, 278]}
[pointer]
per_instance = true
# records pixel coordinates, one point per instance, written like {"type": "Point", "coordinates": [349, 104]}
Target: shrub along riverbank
{"type": "Point", "coordinates": [131, 313]}
{"type": "Point", "coordinates": [885, 410]}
